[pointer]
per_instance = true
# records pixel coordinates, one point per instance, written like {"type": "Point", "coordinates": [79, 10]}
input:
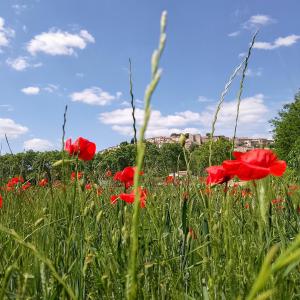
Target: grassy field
{"type": "Point", "coordinates": [194, 242]}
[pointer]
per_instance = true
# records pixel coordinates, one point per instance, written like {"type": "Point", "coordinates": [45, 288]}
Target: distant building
{"type": "Point", "coordinates": [241, 144]}
{"type": "Point", "coordinates": [160, 140]}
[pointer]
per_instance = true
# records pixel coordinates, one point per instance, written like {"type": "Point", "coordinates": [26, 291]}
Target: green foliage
{"type": "Point", "coordinates": [28, 164]}
{"type": "Point", "coordinates": [200, 157]}
{"type": "Point", "coordinates": [54, 243]}
{"type": "Point", "coordinates": [32, 165]}
{"type": "Point", "coordinates": [171, 158]}
{"type": "Point", "coordinates": [287, 128]}
{"type": "Point", "coordinates": [117, 159]}
{"type": "Point", "coordinates": [293, 157]}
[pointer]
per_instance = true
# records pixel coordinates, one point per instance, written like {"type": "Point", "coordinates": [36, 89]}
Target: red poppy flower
{"type": "Point", "coordinates": [1, 201]}
{"type": "Point", "coordinates": [217, 175]}
{"type": "Point", "coordinates": [129, 198]}
{"type": "Point", "coordinates": [185, 196]}
{"type": "Point", "coordinates": [277, 201]}
{"type": "Point", "coordinates": [126, 176]}
{"type": "Point", "coordinates": [254, 164]}
{"type": "Point", "coordinates": [26, 186]}
{"type": "Point", "coordinates": [8, 188]}
{"type": "Point", "coordinates": [88, 186]}
{"type": "Point", "coordinates": [169, 179]}
{"type": "Point", "coordinates": [246, 192]}
{"type": "Point", "coordinates": [108, 173]}
{"type": "Point", "coordinates": [79, 175]}
{"type": "Point", "coordinates": [118, 176]}
{"type": "Point", "coordinates": [192, 234]}
{"type": "Point", "coordinates": [113, 199]}
{"type": "Point", "coordinates": [207, 190]}
{"type": "Point", "coordinates": [14, 181]}
{"type": "Point", "coordinates": [292, 189]}
{"type": "Point", "coordinates": [43, 182]}
{"type": "Point", "coordinates": [81, 147]}
{"type": "Point", "coordinates": [99, 191]}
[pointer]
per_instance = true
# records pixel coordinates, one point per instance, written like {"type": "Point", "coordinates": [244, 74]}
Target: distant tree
{"type": "Point", "coordinates": [172, 158]}
{"type": "Point", "coordinates": [124, 143]}
{"type": "Point", "coordinates": [293, 157]}
{"type": "Point", "coordinates": [200, 157]}
{"type": "Point", "coordinates": [152, 161]}
{"type": "Point", "coordinates": [118, 158]}
{"type": "Point", "coordinates": [193, 147]}
{"type": "Point", "coordinates": [287, 128]}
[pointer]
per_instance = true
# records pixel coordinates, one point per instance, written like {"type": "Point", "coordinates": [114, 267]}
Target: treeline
{"type": "Point", "coordinates": [159, 161]}
{"type": "Point", "coordinates": [286, 132]}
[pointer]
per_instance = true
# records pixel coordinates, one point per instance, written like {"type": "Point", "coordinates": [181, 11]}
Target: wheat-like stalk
{"type": "Point", "coordinates": [131, 288]}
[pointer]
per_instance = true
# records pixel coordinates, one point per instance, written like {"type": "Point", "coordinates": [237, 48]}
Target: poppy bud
{"type": "Point", "coordinates": [86, 210]}
{"type": "Point", "coordinates": [99, 217]}
{"type": "Point", "coordinates": [182, 140]}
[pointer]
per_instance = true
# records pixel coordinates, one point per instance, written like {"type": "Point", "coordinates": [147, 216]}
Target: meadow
{"type": "Point", "coordinates": [137, 234]}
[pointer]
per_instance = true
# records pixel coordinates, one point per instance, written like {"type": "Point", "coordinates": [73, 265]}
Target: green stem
{"type": "Point", "coordinates": [131, 287]}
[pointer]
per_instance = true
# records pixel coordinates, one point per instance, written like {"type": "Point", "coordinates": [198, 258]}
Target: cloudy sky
{"type": "Point", "coordinates": [59, 52]}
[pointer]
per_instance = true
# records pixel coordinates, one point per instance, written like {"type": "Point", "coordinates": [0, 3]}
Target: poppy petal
{"type": "Point", "coordinates": [278, 168]}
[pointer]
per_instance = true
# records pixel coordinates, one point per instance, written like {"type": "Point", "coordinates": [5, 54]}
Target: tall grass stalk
{"type": "Point", "coordinates": [222, 98]}
{"type": "Point", "coordinates": [63, 145]}
{"type": "Point", "coordinates": [7, 142]}
{"type": "Point", "coordinates": [239, 97]}
{"type": "Point", "coordinates": [225, 91]}
{"type": "Point", "coordinates": [286, 261]}
{"type": "Point", "coordinates": [131, 287]}
{"type": "Point", "coordinates": [132, 102]}
{"type": "Point", "coordinates": [39, 256]}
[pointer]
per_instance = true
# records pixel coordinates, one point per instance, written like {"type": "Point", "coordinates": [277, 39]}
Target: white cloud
{"type": "Point", "coordinates": [203, 99]}
{"type": "Point", "coordinates": [87, 36]}
{"type": "Point", "coordinates": [252, 73]}
{"type": "Point", "coordinates": [256, 21]}
{"type": "Point", "coordinates": [38, 145]}
{"type": "Point", "coordinates": [260, 19]}
{"type": "Point", "coordinates": [57, 42]}
{"type": "Point", "coordinates": [21, 63]}
{"type": "Point", "coordinates": [125, 103]}
{"type": "Point", "coordinates": [11, 129]}
{"type": "Point", "coordinates": [279, 42]}
{"type": "Point", "coordinates": [95, 96]}
{"type": "Point", "coordinates": [31, 90]}
{"type": "Point", "coordinates": [234, 34]}
{"type": "Point", "coordinates": [252, 113]}
{"type": "Point", "coordinates": [51, 88]}
{"type": "Point", "coordinates": [252, 110]}
{"type": "Point", "coordinates": [5, 34]}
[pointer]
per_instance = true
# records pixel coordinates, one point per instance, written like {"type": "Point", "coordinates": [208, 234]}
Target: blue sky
{"type": "Point", "coordinates": [54, 53]}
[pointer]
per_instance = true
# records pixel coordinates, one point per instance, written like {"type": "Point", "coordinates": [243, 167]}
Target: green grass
{"type": "Point", "coordinates": [72, 241]}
